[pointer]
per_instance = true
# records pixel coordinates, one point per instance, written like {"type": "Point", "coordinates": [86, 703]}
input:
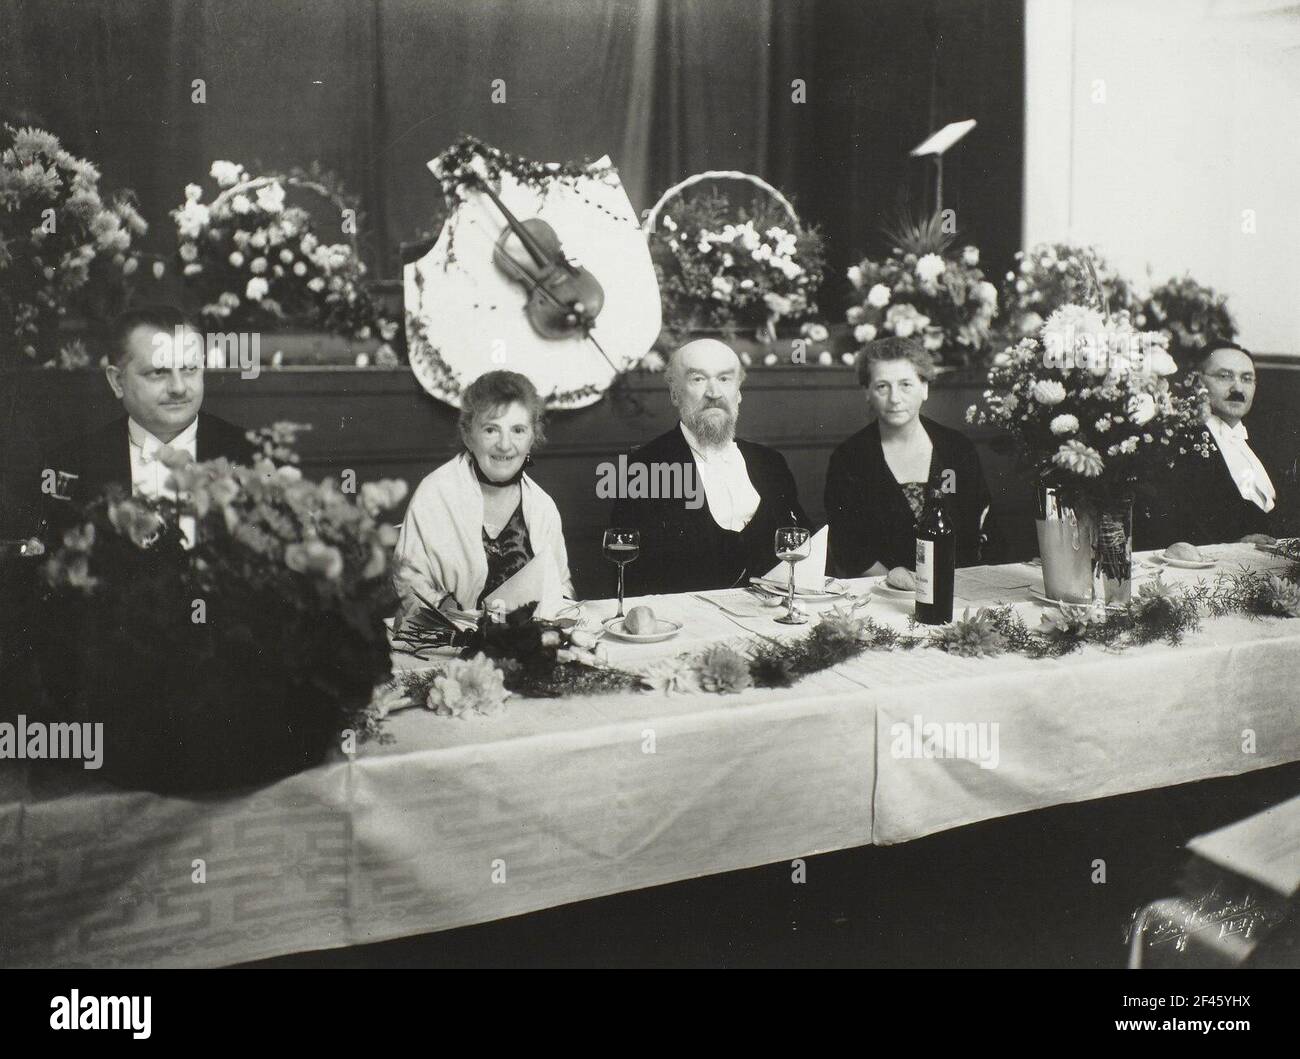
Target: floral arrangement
{"type": "Point", "coordinates": [60, 240]}
{"type": "Point", "coordinates": [1189, 313]}
{"type": "Point", "coordinates": [518, 654]}
{"type": "Point", "coordinates": [1053, 275]}
{"type": "Point", "coordinates": [259, 263]}
{"type": "Point", "coordinates": [1089, 403]}
{"type": "Point", "coordinates": [734, 268]}
{"type": "Point", "coordinates": [926, 288]}
{"type": "Point", "coordinates": [239, 660]}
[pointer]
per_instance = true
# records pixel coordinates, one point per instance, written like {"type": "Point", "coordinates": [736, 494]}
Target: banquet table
{"type": "Point", "coordinates": [465, 820]}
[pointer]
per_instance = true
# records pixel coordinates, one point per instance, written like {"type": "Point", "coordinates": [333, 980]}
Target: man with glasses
{"type": "Point", "coordinates": [1226, 494]}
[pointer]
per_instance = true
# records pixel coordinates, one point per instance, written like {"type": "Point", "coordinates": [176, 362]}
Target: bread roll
{"type": "Point", "coordinates": [902, 578]}
{"type": "Point", "coordinates": [1184, 551]}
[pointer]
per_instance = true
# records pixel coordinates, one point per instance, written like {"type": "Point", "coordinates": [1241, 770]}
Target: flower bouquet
{"type": "Point", "coordinates": [235, 662]}
{"type": "Point", "coordinates": [60, 240]}
{"type": "Point", "coordinates": [1089, 403]}
{"type": "Point", "coordinates": [926, 288]}
{"type": "Point", "coordinates": [1053, 275]}
{"type": "Point", "coordinates": [259, 263]}
{"type": "Point", "coordinates": [1189, 313]}
{"type": "Point", "coordinates": [733, 268]}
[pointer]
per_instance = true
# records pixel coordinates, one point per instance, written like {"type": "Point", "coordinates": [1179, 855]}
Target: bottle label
{"type": "Point", "coordinates": [925, 571]}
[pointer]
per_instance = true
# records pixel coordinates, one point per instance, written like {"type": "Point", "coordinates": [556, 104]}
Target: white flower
{"type": "Point", "coordinates": [189, 252]}
{"type": "Point", "coordinates": [258, 266]}
{"type": "Point", "coordinates": [191, 219]}
{"type": "Point", "coordinates": [236, 259]}
{"type": "Point", "coordinates": [704, 247]}
{"type": "Point", "coordinates": [1141, 409]}
{"type": "Point", "coordinates": [1078, 458]}
{"type": "Point", "coordinates": [316, 284]}
{"type": "Point", "coordinates": [778, 303]}
{"type": "Point", "coordinates": [825, 359]}
{"type": "Point", "coordinates": [258, 239]}
{"type": "Point", "coordinates": [986, 292]}
{"type": "Point", "coordinates": [257, 289]}
{"type": "Point", "coordinates": [930, 268]}
{"type": "Point", "coordinates": [1128, 445]}
{"type": "Point", "coordinates": [286, 255]}
{"type": "Point", "coordinates": [193, 193]}
{"type": "Point", "coordinates": [724, 286]}
{"type": "Point", "coordinates": [878, 297]}
{"type": "Point", "coordinates": [1048, 392]}
{"type": "Point", "coordinates": [769, 360]}
{"type": "Point", "coordinates": [1102, 425]}
{"type": "Point", "coordinates": [855, 276]}
{"type": "Point", "coordinates": [970, 256]}
{"type": "Point", "coordinates": [1064, 424]}
{"type": "Point", "coordinates": [816, 332]}
{"type": "Point", "coordinates": [300, 268]}
{"type": "Point", "coordinates": [855, 314]}
{"type": "Point", "coordinates": [271, 198]}
{"type": "Point", "coordinates": [226, 173]}
{"type": "Point", "coordinates": [669, 223]}
{"type": "Point", "coordinates": [864, 333]}
{"type": "Point", "coordinates": [903, 320]}
{"type": "Point", "coordinates": [241, 204]}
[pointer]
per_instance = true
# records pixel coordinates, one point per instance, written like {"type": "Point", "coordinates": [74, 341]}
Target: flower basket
{"type": "Point", "coordinates": [750, 273]}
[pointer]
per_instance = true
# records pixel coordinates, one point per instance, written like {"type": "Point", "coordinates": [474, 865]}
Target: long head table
{"type": "Point", "coordinates": [460, 821]}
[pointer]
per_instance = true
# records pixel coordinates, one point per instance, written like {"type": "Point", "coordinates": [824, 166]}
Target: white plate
{"type": "Point", "coordinates": [894, 593]}
{"type": "Point", "coordinates": [834, 590]}
{"type": "Point", "coordinates": [1047, 601]}
{"type": "Point", "coordinates": [1186, 564]}
{"type": "Point", "coordinates": [664, 630]}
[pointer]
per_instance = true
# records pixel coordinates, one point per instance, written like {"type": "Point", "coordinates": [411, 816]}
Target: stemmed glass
{"type": "Point", "coordinates": [792, 546]}
{"type": "Point", "coordinates": [621, 546]}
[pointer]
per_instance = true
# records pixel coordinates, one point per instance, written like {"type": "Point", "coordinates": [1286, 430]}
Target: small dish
{"type": "Point", "coordinates": [664, 630]}
{"type": "Point", "coordinates": [885, 589]}
{"type": "Point", "coordinates": [1186, 564]}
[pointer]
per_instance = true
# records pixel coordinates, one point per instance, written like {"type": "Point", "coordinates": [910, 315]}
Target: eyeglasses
{"type": "Point", "coordinates": [1245, 378]}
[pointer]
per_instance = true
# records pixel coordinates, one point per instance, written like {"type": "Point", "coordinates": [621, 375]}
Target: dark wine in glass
{"type": "Point", "coordinates": [621, 546]}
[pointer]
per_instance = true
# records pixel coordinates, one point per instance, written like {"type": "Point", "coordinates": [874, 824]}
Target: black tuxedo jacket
{"type": "Point", "coordinates": [685, 550]}
{"type": "Point", "coordinates": [1198, 502]}
{"type": "Point", "coordinates": [870, 518]}
{"type": "Point", "coordinates": [103, 456]}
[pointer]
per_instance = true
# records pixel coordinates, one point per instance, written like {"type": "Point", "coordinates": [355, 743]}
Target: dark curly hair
{"type": "Point", "coordinates": [495, 390]}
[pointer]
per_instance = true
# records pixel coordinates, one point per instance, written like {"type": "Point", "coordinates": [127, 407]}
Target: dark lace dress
{"type": "Point", "coordinates": [915, 494]}
{"type": "Point", "coordinates": [507, 553]}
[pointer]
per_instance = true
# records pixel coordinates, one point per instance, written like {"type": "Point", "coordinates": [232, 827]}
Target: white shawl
{"type": "Point", "coordinates": [440, 549]}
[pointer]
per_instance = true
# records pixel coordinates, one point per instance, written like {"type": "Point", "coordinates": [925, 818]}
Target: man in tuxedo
{"type": "Point", "coordinates": [156, 361]}
{"type": "Point", "coordinates": [1223, 493]}
{"type": "Point", "coordinates": [748, 489]}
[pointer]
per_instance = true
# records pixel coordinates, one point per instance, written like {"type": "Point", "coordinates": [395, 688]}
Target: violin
{"type": "Point", "coordinates": [563, 297]}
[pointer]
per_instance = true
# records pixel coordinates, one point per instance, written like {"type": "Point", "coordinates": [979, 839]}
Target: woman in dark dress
{"type": "Point", "coordinates": [878, 479]}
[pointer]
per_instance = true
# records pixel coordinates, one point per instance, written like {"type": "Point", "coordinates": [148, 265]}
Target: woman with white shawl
{"type": "Point", "coordinates": [478, 519]}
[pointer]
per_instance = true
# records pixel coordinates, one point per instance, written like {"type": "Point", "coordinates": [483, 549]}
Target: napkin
{"type": "Point", "coordinates": [538, 581]}
{"type": "Point", "coordinates": [810, 574]}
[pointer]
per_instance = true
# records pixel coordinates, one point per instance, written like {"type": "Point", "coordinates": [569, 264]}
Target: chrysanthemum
{"type": "Point", "coordinates": [1078, 458]}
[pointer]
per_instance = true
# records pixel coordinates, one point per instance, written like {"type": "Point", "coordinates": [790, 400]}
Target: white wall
{"type": "Point", "coordinates": [1151, 125]}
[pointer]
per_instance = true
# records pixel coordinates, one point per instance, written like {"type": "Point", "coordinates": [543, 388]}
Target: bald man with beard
{"type": "Point", "coordinates": [748, 489]}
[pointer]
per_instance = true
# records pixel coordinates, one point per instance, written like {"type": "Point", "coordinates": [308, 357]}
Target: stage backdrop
{"type": "Point", "coordinates": [374, 88]}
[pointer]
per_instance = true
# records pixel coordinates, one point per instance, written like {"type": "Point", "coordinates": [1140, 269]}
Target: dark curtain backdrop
{"type": "Point", "coordinates": [374, 88]}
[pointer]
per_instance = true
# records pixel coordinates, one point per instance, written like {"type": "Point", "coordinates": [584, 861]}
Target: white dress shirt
{"type": "Point", "coordinates": [731, 496]}
{"type": "Point", "coordinates": [1244, 466]}
{"type": "Point", "coordinates": [149, 474]}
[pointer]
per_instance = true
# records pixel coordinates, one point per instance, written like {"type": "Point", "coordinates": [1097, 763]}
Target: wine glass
{"type": "Point", "coordinates": [621, 546]}
{"type": "Point", "coordinates": [792, 545]}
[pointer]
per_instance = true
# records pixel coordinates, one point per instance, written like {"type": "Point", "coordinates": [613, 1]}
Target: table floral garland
{"type": "Point", "coordinates": [485, 676]}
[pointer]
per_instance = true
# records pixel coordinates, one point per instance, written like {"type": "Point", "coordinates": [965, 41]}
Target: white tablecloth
{"type": "Point", "coordinates": [464, 821]}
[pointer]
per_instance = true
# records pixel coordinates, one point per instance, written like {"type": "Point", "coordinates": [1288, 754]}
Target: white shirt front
{"type": "Point", "coordinates": [149, 474]}
{"type": "Point", "coordinates": [1252, 479]}
{"type": "Point", "coordinates": [731, 496]}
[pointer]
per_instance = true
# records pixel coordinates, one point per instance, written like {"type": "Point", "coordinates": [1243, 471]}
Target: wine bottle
{"type": "Point", "coordinates": [936, 563]}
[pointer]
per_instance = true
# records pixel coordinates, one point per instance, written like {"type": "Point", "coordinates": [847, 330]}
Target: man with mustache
{"type": "Point", "coordinates": [1225, 494]}
{"type": "Point", "coordinates": [748, 488]}
{"type": "Point", "coordinates": [156, 362]}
